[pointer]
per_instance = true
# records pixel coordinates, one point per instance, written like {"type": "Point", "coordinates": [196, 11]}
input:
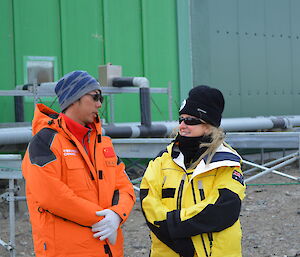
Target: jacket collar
{"type": "Point", "coordinates": [224, 156]}
{"type": "Point", "coordinates": [75, 128]}
{"type": "Point", "coordinates": [45, 117]}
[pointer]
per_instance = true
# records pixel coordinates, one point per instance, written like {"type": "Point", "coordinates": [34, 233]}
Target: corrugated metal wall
{"type": "Point", "coordinates": [139, 35]}
{"type": "Point", "coordinates": [7, 67]}
{"type": "Point", "coordinates": [250, 50]}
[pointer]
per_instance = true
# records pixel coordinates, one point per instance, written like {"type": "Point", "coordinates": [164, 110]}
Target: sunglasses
{"type": "Point", "coordinates": [97, 97]}
{"type": "Point", "coordinates": [190, 121]}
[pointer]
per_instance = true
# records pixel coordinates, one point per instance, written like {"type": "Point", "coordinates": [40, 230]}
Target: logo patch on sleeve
{"type": "Point", "coordinates": [238, 176]}
{"type": "Point", "coordinates": [109, 152]}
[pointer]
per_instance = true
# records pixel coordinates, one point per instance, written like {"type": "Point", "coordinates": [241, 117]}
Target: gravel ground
{"type": "Point", "coordinates": [270, 220]}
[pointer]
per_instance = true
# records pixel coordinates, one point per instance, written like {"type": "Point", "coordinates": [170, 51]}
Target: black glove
{"type": "Point", "coordinates": [182, 246]}
{"type": "Point", "coordinates": [185, 247]}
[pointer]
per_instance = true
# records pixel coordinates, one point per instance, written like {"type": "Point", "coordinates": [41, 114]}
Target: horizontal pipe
{"type": "Point", "coordinates": [134, 131]}
{"type": "Point", "coordinates": [130, 82]}
{"type": "Point", "coordinates": [21, 135]}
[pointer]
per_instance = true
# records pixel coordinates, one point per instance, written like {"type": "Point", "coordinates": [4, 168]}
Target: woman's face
{"type": "Point", "coordinates": [193, 130]}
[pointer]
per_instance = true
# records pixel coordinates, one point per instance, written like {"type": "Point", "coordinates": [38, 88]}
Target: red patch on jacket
{"type": "Point", "coordinates": [108, 152]}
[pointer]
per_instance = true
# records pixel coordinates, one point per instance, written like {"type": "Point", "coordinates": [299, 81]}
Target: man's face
{"type": "Point", "coordinates": [86, 108]}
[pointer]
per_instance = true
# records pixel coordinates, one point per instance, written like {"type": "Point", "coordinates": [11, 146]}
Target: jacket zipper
{"type": "Point", "coordinates": [107, 250]}
{"type": "Point", "coordinates": [209, 235]}
{"type": "Point", "coordinates": [88, 140]}
{"type": "Point", "coordinates": [179, 196]}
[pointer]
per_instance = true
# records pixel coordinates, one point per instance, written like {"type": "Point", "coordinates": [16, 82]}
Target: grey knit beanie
{"type": "Point", "coordinates": [74, 85]}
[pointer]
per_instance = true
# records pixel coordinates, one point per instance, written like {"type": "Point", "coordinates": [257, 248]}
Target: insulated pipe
{"type": "Point", "coordinates": [130, 82]}
{"type": "Point", "coordinates": [19, 108]}
{"type": "Point", "coordinates": [246, 124]}
{"type": "Point", "coordinates": [19, 135]}
{"type": "Point", "coordinates": [143, 84]}
{"type": "Point", "coordinates": [260, 123]}
{"type": "Point", "coordinates": [134, 131]}
{"type": "Point", "coordinates": [145, 106]}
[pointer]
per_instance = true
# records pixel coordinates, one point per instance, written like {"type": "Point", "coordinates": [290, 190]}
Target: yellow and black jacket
{"type": "Point", "coordinates": [194, 212]}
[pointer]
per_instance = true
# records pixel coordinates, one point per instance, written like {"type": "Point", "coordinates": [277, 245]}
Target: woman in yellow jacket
{"type": "Point", "coordinates": [191, 193]}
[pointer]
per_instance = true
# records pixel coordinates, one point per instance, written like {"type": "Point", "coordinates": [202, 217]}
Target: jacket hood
{"type": "Point", "coordinates": [45, 117]}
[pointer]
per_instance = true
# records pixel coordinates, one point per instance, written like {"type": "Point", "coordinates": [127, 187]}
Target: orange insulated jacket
{"type": "Point", "coordinates": [65, 188]}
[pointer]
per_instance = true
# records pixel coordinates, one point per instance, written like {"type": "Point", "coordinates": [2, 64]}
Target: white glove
{"type": "Point", "coordinates": [113, 237]}
{"type": "Point", "coordinates": [108, 226]}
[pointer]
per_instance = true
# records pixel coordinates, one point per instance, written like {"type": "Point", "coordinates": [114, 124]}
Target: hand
{"type": "Point", "coordinates": [113, 237]}
{"type": "Point", "coordinates": [106, 227]}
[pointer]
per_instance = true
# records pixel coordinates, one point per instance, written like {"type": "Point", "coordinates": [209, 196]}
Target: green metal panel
{"type": "Point", "coordinates": [295, 55]}
{"type": "Point", "coordinates": [224, 57]}
{"type": "Point", "coordinates": [250, 50]}
{"type": "Point", "coordinates": [7, 59]}
{"type": "Point", "coordinates": [160, 52]}
{"type": "Point", "coordinates": [81, 35]}
{"type": "Point", "coordinates": [278, 52]}
{"type": "Point", "coordinates": [252, 47]}
{"type": "Point", "coordinates": [139, 35]}
{"type": "Point", "coordinates": [145, 45]}
{"type": "Point", "coordinates": [124, 46]}
{"type": "Point", "coordinates": [200, 42]}
{"type": "Point", "coordinates": [184, 47]}
{"type": "Point", "coordinates": [37, 33]}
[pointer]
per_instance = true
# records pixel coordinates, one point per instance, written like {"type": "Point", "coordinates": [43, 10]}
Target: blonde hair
{"type": "Point", "coordinates": [217, 135]}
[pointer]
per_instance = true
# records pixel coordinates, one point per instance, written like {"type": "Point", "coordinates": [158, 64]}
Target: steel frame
{"type": "Point", "coordinates": [36, 92]}
{"type": "Point", "coordinates": [13, 161]}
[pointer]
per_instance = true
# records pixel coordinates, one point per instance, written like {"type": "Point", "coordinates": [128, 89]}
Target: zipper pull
{"type": "Point", "coordinates": [89, 135]}
{"type": "Point", "coordinates": [200, 187]}
{"type": "Point", "coordinates": [164, 181]}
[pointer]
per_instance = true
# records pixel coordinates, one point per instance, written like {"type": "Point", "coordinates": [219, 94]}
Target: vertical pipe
{"type": "Point", "coordinates": [112, 110]}
{"type": "Point", "coordinates": [19, 108]}
{"type": "Point", "coordinates": [12, 229]}
{"type": "Point", "coordinates": [145, 106]}
{"type": "Point", "coordinates": [262, 154]}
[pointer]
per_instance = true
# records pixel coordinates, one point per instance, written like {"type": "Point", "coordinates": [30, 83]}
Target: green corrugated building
{"type": "Point", "coordinates": [249, 49]}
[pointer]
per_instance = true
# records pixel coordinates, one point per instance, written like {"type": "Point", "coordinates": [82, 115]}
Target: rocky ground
{"type": "Point", "coordinates": [270, 219]}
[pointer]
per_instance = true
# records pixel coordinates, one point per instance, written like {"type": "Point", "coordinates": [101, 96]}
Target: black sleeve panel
{"type": "Point", "coordinates": [183, 246]}
{"type": "Point", "coordinates": [39, 147]}
{"type": "Point", "coordinates": [213, 218]}
{"type": "Point", "coordinates": [143, 194]}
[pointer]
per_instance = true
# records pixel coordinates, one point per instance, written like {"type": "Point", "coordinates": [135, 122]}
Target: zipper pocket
{"type": "Point", "coordinates": [179, 196]}
{"type": "Point", "coordinates": [209, 235]}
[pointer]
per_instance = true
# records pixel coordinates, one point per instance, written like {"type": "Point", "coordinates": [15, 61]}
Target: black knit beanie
{"type": "Point", "coordinates": [206, 103]}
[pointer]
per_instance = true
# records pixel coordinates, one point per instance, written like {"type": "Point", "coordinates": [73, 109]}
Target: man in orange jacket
{"type": "Point", "coordinates": [78, 193]}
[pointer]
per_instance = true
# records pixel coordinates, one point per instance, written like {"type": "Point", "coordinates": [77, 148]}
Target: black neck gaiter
{"type": "Point", "coordinates": [189, 146]}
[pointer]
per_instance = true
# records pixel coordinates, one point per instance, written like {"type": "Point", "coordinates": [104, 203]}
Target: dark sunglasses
{"type": "Point", "coordinates": [190, 121]}
{"type": "Point", "coordinates": [97, 97]}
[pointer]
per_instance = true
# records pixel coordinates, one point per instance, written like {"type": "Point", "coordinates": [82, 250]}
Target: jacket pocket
{"type": "Point", "coordinates": [168, 192]}
{"type": "Point", "coordinates": [77, 175]}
